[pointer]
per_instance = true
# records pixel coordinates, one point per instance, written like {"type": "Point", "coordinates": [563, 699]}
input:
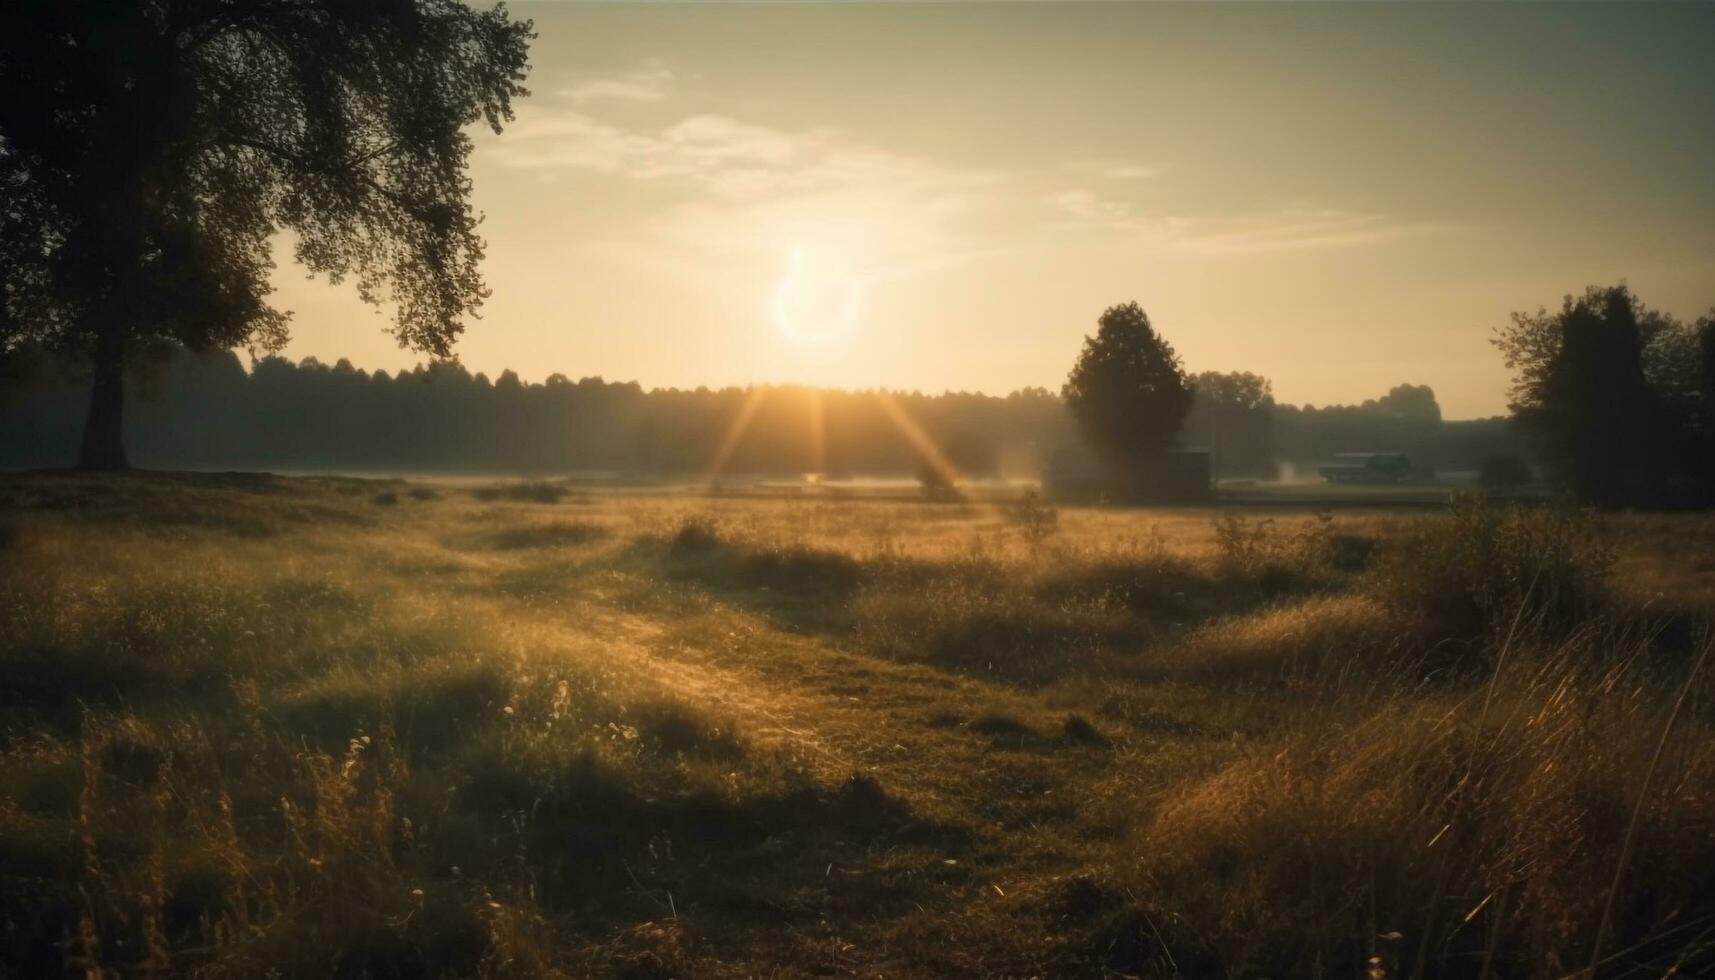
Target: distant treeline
{"type": "Point", "coordinates": [205, 410]}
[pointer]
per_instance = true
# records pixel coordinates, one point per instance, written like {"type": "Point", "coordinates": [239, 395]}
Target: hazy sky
{"type": "Point", "coordinates": [945, 196]}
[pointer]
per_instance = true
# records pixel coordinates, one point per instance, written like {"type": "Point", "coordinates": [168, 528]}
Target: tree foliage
{"type": "Point", "coordinates": [1128, 390]}
{"type": "Point", "coordinates": [1615, 395]}
{"type": "Point", "coordinates": [1233, 415]}
{"type": "Point", "coordinates": [150, 152]}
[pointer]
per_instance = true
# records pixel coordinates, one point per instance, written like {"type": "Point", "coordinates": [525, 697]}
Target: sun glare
{"type": "Point", "coordinates": [816, 300]}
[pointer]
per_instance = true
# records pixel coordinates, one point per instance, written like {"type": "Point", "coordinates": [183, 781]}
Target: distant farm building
{"type": "Point", "coordinates": [1174, 477]}
{"type": "Point", "coordinates": [1367, 468]}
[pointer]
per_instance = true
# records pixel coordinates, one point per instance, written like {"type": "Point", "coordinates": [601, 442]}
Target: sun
{"type": "Point", "coordinates": [815, 303]}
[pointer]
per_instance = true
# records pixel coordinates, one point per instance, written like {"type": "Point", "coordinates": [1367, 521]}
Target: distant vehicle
{"type": "Point", "coordinates": [1367, 468]}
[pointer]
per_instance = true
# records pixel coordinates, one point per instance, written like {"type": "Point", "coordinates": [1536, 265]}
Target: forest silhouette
{"type": "Point", "coordinates": [188, 410]}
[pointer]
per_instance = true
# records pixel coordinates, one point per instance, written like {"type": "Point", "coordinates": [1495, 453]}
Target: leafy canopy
{"type": "Point", "coordinates": [1233, 391]}
{"type": "Point", "coordinates": [151, 150]}
{"type": "Point", "coordinates": [1616, 395]}
{"type": "Point", "coordinates": [1128, 391]}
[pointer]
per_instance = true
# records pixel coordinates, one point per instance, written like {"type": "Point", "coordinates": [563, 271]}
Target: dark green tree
{"type": "Point", "coordinates": [1580, 390]}
{"type": "Point", "coordinates": [151, 150]}
{"type": "Point", "coordinates": [1706, 362]}
{"type": "Point", "coordinates": [1697, 411]}
{"type": "Point", "coordinates": [1233, 414]}
{"type": "Point", "coordinates": [1128, 390]}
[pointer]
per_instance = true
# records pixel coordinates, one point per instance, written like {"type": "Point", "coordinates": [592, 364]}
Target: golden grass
{"type": "Point", "coordinates": [255, 724]}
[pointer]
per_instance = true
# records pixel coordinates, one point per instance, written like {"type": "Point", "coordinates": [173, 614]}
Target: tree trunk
{"type": "Point", "coordinates": [104, 427]}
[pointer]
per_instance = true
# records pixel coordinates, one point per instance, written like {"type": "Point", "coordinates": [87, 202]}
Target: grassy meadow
{"type": "Point", "coordinates": [255, 726]}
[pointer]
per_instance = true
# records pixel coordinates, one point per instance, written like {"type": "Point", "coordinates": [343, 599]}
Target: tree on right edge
{"type": "Point", "coordinates": [1616, 397]}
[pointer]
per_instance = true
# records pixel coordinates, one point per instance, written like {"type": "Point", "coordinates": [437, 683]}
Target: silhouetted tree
{"type": "Point", "coordinates": [1233, 414]}
{"type": "Point", "coordinates": [1409, 403]}
{"type": "Point", "coordinates": [1127, 391]}
{"type": "Point", "coordinates": [1580, 390]}
{"type": "Point", "coordinates": [1674, 364]}
{"type": "Point", "coordinates": [151, 149]}
{"type": "Point", "coordinates": [1706, 362]}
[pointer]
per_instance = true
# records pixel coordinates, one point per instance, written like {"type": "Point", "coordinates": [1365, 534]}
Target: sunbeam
{"type": "Point", "coordinates": [818, 432]}
{"type": "Point", "coordinates": [752, 401]}
{"type": "Point", "coordinates": [920, 440]}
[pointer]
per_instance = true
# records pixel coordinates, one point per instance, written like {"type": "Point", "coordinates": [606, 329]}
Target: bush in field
{"type": "Point", "coordinates": [695, 536]}
{"type": "Point", "coordinates": [1265, 550]}
{"type": "Point", "coordinates": [1034, 517]}
{"type": "Point", "coordinates": [1477, 569]}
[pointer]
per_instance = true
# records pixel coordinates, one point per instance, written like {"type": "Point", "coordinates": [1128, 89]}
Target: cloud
{"type": "Point", "coordinates": [1112, 169]}
{"type": "Point", "coordinates": [1286, 229]}
{"type": "Point", "coordinates": [650, 82]}
{"type": "Point", "coordinates": [712, 142]}
{"type": "Point", "coordinates": [1086, 208]}
{"type": "Point", "coordinates": [717, 154]}
{"type": "Point", "coordinates": [726, 189]}
{"type": "Point", "coordinates": [1081, 210]}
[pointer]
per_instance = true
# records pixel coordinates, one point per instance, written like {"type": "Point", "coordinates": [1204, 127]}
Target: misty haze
{"type": "Point", "coordinates": [879, 489]}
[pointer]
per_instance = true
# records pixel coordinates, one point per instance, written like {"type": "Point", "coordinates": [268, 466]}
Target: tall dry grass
{"type": "Point", "coordinates": [271, 726]}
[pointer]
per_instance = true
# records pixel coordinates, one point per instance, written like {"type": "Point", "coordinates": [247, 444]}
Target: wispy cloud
{"type": "Point", "coordinates": [728, 187]}
{"type": "Point", "coordinates": [726, 156]}
{"type": "Point", "coordinates": [650, 82]}
{"type": "Point", "coordinates": [1085, 207]}
{"type": "Point", "coordinates": [1286, 229]}
{"type": "Point", "coordinates": [1112, 169]}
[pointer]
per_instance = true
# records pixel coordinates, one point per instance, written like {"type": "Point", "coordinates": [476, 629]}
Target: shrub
{"type": "Point", "coordinates": [386, 498]}
{"type": "Point", "coordinates": [1271, 554]}
{"type": "Point", "coordinates": [1481, 566]}
{"type": "Point", "coordinates": [695, 536]}
{"type": "Point", "coordinates": [1034, 517]}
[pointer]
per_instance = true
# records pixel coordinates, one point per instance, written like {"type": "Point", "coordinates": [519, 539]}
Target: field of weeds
{"type": "Point", "coordinates": [256, 726]}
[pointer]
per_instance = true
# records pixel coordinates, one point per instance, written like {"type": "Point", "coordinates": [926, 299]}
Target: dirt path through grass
{"type": "Point", "coordinates": [957, 752]}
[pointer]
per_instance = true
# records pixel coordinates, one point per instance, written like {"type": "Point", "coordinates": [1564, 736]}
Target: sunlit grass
{"type": "Point", "coordinates": [253, 724]}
